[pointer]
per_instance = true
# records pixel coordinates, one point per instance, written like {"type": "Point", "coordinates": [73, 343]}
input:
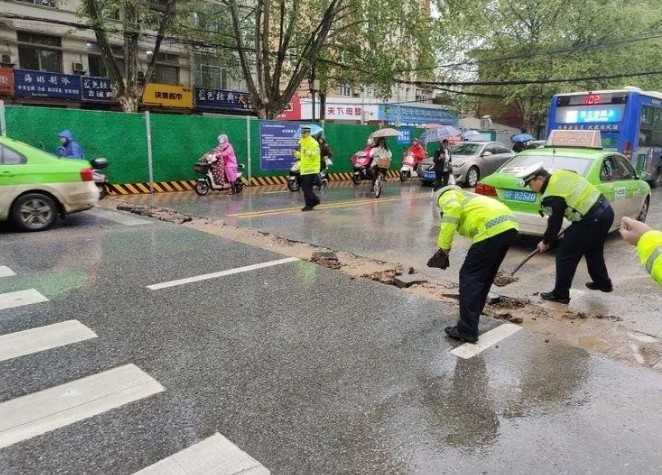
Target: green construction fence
{"type": "Point", "coordinates": [177, 140]}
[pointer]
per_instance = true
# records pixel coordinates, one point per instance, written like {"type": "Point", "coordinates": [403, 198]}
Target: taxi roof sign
{"type": "Point", "coordinates": [575, 138]}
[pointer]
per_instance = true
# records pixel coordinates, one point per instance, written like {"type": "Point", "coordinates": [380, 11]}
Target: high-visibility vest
{"type": "Point", "coordinates": [649, 248]}
{"type": "Point", "coordinates": [473, 216]}
{"type": "Point", "coordinates": [309, 154]}
{"type": "Point", "coordinates": [578, 193]}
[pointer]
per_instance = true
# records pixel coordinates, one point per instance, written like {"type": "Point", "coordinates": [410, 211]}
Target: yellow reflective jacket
{"type": "Point", "coordinates": [309, 154]}
{"type": "Point", "coordinates": [473, 216]}
{"type": "Point", "coordinates": [649, 248]}
{"type": "Point", "coordinates": [578, 193]}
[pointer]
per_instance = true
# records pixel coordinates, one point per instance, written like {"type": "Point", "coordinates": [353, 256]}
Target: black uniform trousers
{"type": "Point", "coordinates": [584, 238]}
{"type": "Point", "coordinates": [477, 275]}
{"type": "Point", "coordinates": [307, 185]}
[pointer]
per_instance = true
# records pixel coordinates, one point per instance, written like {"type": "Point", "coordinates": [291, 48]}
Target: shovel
{"type": "Point", "coordinates": [504, 278]}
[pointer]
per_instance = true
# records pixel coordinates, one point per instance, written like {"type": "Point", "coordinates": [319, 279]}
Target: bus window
{"type": "Point", "coordinates": [650, 131]}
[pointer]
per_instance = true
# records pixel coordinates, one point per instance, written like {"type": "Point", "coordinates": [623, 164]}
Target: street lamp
{"type": "Point", "coordinates": [314, 86]}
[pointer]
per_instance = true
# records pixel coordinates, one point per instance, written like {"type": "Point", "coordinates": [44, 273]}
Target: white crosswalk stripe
{"type": "Point", "coordinates": [39, 339]}
{"type": "Point", "coordinates": [20, 298]}
{"type": "Point", "coordinates": [6, 272]}
{"type": "Point", "coordinates": [214, 455]}
{"type": "Point", "coordinates": [36, 414]}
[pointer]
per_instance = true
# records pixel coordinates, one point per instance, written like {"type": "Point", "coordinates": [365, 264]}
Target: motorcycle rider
{"type": "Point", "coordinates": [225, 166]}
{"type": "Point", "coordinates": [325, 153]}
{"type": "Point", "coordinates": [418, 151]}
{"type": "Point", "coordinates": [69, 148]}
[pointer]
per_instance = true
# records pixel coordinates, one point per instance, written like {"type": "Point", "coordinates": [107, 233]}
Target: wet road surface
{"type": "Point", "coordinates": [358, 380]}
{"type": "Point", "coordinates": [402, 227]}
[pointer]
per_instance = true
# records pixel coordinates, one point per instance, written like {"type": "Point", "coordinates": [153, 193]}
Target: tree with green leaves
{"type": "Point", "coordinates": [133, 23]}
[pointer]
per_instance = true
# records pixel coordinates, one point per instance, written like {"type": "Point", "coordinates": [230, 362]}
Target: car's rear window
{"type": "Point", "coordinates": [521, 163]}
{"type": "Point", "coordinates": [466, 149]}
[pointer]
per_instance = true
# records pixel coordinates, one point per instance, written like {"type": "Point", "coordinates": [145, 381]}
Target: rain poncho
{"type": "Point", "coordinates": [70, 148]}
{"type": "Point", "coordinates": [226, 159]}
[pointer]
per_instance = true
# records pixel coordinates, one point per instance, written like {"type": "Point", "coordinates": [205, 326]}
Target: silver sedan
{"type": "Point", "coordinates": [475, 160]}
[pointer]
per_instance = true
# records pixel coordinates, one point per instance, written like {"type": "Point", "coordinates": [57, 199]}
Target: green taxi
{"type": "Point", "coordinates": [610, 171]}
{"type": "Point", "coordinates": [36, 187]}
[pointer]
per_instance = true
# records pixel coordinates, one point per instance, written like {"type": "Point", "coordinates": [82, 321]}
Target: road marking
{"type": "Point", "coordinates": [214, 455]}
{"type": "Point", "coordinates": [487, 339]}
{"type": "Point", "coordinates": [20, 298]}
{"type": "Point", "coordinates": [116, 217]}
{"type": "Point", "coordinates": [36, 414]}
{"type": "Point", "coordinates": [339, 204]}
{"type": "Point", "coordinates": [39, 339]}
{"type": "Point", "coordinates": [215, 275]}
{"type": "Point", "coordinates": [6, 271]}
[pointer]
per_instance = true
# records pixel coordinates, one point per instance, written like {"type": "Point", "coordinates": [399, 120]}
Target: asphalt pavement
{"type": "Point", "coordinates": [402, 227]}
{"type": "Point", "coordinates": [293, 367]}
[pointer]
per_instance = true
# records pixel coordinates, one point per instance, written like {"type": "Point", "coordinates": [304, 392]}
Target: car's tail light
{"type": "Point", "coordinates": [486, 190]}
{"type": "Point", "coordinates": [87, 174]}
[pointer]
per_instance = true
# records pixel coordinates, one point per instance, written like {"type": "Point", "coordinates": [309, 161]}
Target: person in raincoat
{"type": "Point", "coordinates": [69, 148]}
{"type": "Point", "coordinates": [648, 243]}
{"type": "Point", "coordinates": [225, 167]}
{"type": "Point", "coordinates": [418, 151]}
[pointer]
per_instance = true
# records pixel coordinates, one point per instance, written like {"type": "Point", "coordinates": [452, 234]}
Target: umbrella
{"type": "Point", "coordinates": [440, 134]}
{"type": "Point", "coordinates": [385, 133]}
{"type": "Point", "coordinates": [471, 134]}
{"type": "Point", "coordinates": [521, 138]}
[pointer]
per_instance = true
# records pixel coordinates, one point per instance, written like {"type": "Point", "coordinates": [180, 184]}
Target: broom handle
{"type": "Point", "coordinates": [533, 253]}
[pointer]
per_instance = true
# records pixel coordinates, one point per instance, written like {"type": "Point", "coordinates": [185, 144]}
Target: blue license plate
{"type": "Point", "coordinates": [526, 196]}
{"type": "Point", "coordinates": [430, 175]}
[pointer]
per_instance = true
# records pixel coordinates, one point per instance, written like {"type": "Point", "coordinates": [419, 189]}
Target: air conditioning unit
{"type": "Point", "coordinates": [77, 68]}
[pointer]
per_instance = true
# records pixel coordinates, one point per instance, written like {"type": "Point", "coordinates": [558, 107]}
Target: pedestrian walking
{"type": "Point", "coordinates": [442, 165]}
{"type": "Point", "coordinates": [648, 243]}
{"type": "Point", "coordinates": [567, 194]}
{"type": "Point", "coordinates": [492, 228]}
{"type": "Point", "coordinates": [309, 156]}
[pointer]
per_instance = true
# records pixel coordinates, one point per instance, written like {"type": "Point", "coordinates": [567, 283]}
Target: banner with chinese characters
{"type": "Point", "coordinates": [6, 82]}
{"type": "Point", "coordinates": [30, 83]}
{"type": "Point", "coordinates": [222, 99]}
{"type": "Point", "coordinates": [96, 89]}
{"type": "Point", "coordinates": [168, 95]}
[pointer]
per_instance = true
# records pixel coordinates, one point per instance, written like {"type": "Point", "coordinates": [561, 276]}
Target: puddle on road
{"type": "Point", "coordinates": [594, 332]}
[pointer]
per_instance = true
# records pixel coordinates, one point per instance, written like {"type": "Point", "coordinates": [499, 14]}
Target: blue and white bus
{"type": "Point", "coordinates": [629, 121]}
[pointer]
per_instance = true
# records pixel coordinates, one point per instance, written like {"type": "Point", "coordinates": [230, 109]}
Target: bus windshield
{"type": "Point", "coordinates": [520, 163]}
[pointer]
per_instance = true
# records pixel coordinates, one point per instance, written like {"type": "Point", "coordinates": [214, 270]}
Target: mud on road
{"type": "Point", "coordinates": [596, 333]}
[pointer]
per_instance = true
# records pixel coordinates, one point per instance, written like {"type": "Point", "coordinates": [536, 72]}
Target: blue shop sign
{"type": "Point", "coordinates": [43, 84]}
{"type": "Point", "coordinates": [412, 116]}
{"type": "Point", "coordinates": [97, 89]}
{"type": "Point", "coordinates": [222, 99]}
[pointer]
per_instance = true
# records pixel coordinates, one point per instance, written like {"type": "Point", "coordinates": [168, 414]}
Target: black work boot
{"type": "Point", "coordinates": [603, 288]}
{"type": "Point", "coordinates": [552, 297]}
{"type": "Point", "coordinates": [455, 334]}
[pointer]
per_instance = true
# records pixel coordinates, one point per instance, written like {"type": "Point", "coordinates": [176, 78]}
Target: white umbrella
{"type": "Point", "coordinates": [385, 133]}
{"type": "Point", "coordinates": [441, 134]}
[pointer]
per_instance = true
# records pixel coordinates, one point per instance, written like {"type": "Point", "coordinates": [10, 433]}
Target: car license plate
{"type": "Point", "coordinates": [526, 196]}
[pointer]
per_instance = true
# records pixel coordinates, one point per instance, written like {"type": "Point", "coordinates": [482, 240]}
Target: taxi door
{"type": "Point", "coordinates": [613, 187]}
{"type": "Point", "coordinates": [10, 168]}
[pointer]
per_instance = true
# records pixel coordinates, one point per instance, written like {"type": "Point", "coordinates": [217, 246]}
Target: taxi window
{"type": "Point", "coordinates": [10, 157]}
{"type": "Point", "coordinates": [521, 163]}
{"type": "Point", "coordinates": [616, 168]}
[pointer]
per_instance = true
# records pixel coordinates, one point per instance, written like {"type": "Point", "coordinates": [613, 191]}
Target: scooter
{"type": "Point", "coordinates": [409, 167]}
{"type": "Point", "coordinates": [206, 182]}
{"type": "Point", "coordinates": [361, 166]}
{"type": "Point", "coordinates": [294, 178]}
{"type": "Point", "coordinates": [100, 179]}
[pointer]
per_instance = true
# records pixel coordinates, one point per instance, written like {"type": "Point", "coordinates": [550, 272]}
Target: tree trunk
{"type": "Point", "coordinates": [129, 102]}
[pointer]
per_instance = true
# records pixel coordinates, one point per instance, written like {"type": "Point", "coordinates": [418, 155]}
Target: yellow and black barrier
{"type": "Point", "coordinates": [189, 185]}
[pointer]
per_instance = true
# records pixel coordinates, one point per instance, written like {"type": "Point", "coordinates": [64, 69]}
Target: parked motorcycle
{"type": "Point", "coordinates": [206, 181]}
{"type": "Point", "coordinates": [294, 178]}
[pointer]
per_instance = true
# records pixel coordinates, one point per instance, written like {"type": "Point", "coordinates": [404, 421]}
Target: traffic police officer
{"type": "Point", "coordinates": [649, 245]}
{"type": "Point", "coordinates": [567, 194]}
{"type": "Point", "coordinates": [492, 229]}
{"type": "Point", "coordinates": [309, 168]}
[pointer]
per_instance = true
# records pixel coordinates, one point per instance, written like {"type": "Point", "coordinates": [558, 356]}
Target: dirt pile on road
{"type": "Point", "coordinates": [504, 278]}
{"type": "Point", "coordinates": [592, 332]}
